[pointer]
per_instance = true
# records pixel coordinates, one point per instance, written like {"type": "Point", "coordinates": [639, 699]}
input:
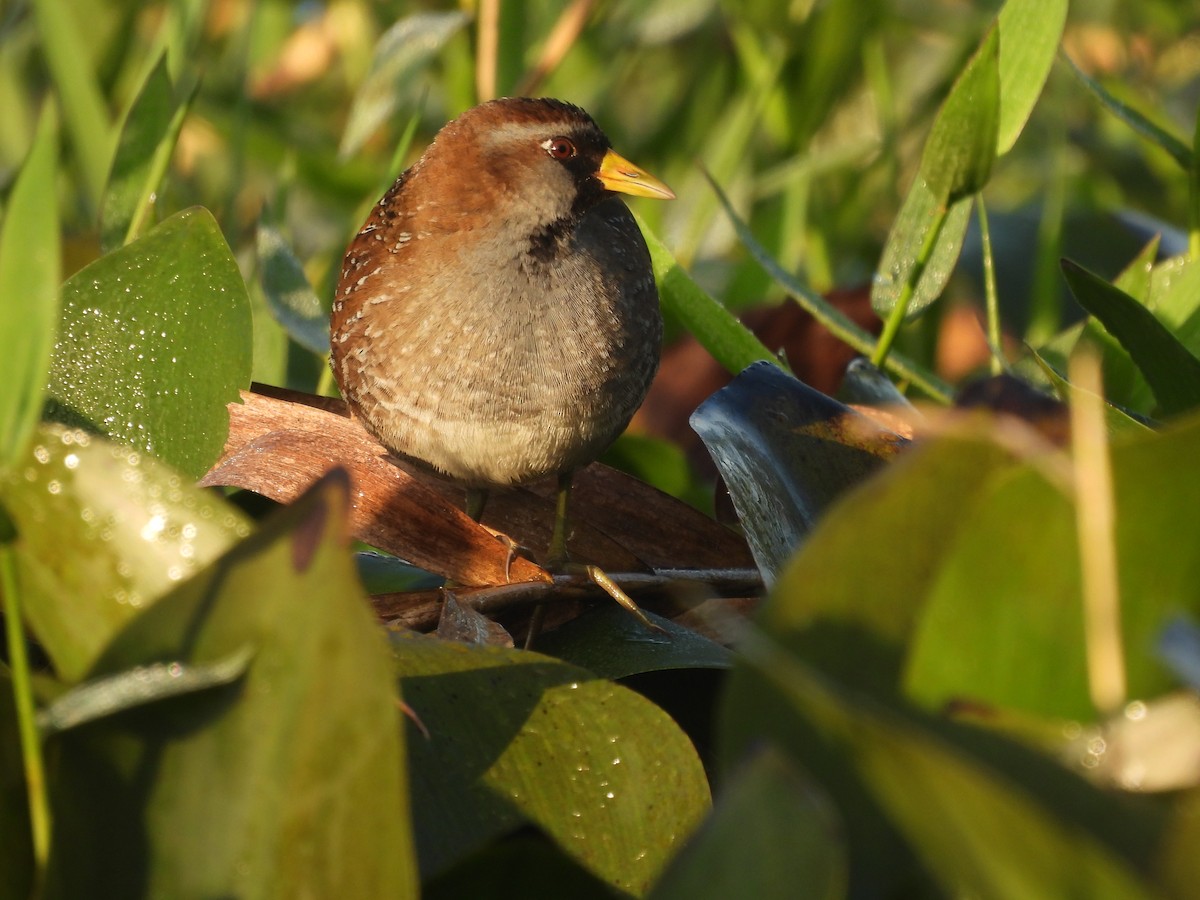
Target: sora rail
{"type": "Point", "coordinates": [496, 318]}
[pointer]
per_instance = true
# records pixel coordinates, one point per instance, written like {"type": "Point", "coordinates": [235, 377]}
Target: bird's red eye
{"type": "Point", "coordinates": [560, 148]}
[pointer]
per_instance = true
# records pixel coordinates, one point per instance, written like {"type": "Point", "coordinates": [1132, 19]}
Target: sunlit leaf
{"type": "Point", "coordinates": [289, 781]}
{"type": "Point", "coordinates": [103, 532]}
{"type": "Point", "coordinates": [961, 147]}
{"type": "Point", "coordinates": [1171, 369]}
{"type": "Point", "coordinates": [1030, 31]}
{"type": "Point", "coordinates": [29, 279]}
{"type": "Point", "coordinates": [155, 339]}
{"type": "Point", "coordinates": [601, 770]}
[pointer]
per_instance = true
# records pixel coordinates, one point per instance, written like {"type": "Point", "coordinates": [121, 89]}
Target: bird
{"type": "Point", "coordinates": [496, 319]}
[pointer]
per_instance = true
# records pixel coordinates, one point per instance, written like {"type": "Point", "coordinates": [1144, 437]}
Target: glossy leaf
{"type": "Point", "coordinates": [103, 532]}
{"type": "Point", "coordinates": [786, 452]}
{"type": "Point", "coordinates": [288, 782]}
{"type": "Point", "coordinates": [927, 236]}
{"type": "Point", "coordinates": [155, 339]}
{"type": "Point", "coordinates": [772, 834]}
{"type": "Point", "coordinates": [836, 321]}
{"type": "Point", "coordinates": [730, 342]}
{"type": "Point", "coordinates": [1030, 31]}
{"type": "Point", "coordinates": [601, 770]}
{"type": "Point", "coordinates": [1171, 369]}
{"type": "Point", "coordinates": [961, 147]}
{"type": "Point", "coordinates": [293, 302]}
{"type": "Point", "coordinates": [402, 54]}
{"type": "Point", "coordinates": [29, 279]}
{"type": "Point", "coordinates": [982, 815]}
{"type": "Point", "coordinates": [611, 643]}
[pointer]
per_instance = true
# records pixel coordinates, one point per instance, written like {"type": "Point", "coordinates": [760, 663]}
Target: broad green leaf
{"type": "Point", "coordinates": [961, 147]}
{"type": "Point", "coordinates": [601, 770]}
{"type": "Point", "coordinates": [1175, 298]}
{"type": "Point", "coordinates": [613, 644]}
{"type": "Point", "coordinates": [290, 782]}
{"type": "Point", "coordinates": [1006, 628]}
{"type": "Point", "coordinates": [104, 531]}
{"type": "Point", "coordinates": [401, 56]}
{"type": "Point", "coordinates": [29, 279]}
{"type": "Point", "coordinates": [1029, 34]}
{"type": "Point", "coordinates": [833, 319]}
{"type": "Point", "coordinates": [786, 453]}
{"type": "Point", "coordinates": [155, 340]}
{"type": "Point", "coordinates": [772, 834]}
{"type": "Point", "coordinates": [905, 522]}
{"type": "Point", "coordinates": [922, 247]}
{"type": "Point", "coordinates": [1171, 370]}
{"type": "Point", "coordinates": [720, 333]}
{"type": "Point", "coordinates": [985, 816]}
{"type": "Point", "coordinates": [293, 302]}
{"type": "Point", "coordinates": [144, 149]}
{"type": "Point", "coordinates": [1177, 149]}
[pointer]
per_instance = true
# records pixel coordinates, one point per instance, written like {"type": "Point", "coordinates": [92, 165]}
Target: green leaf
{"type": "Point", "coordinates": [1175, 148]}
{"type": "Point", "coordinates": [103, 532]}
{"type": "Point", "coordinates": [291, 781]}
{"type": "Point", "coordinates": [786, 453]}
{"type": "Point", "coordinates": [613, 644]}
{"type": "Point", "coordinates": [1172, 371]}
{"type": "Point", "coordinates": [112, 694]}
{"type": "Point", "coordinates": [1030, 31]}
{"type": "Point", "coordinates": [401, 56]}
{"type": "Point", "coordinates": [29, 279]}
{"type": "Point", "coordinates": [147, 140]}
{"type": "Point", "coordinates": [961, 147]}
{"type": "Point", "coordinates": [921, 252]}
{"type": "Point", "coordinates": [293, 302]}
{"type": "Point", "coordinates": [1117, 420]}
{"type": "Point", "coordinates": [772, 834]}
{"type": "Point", "coordinates": [601, 770]}
{"type": "Point", "coordinates": [720, 333]}
{"type": "Point", "coordinates": [1137, 277]}
{"type": "Point", "coordinates": [986, 817]}
{"type": "Point", "coordinates": [85, 112]}
{"type": "Point", "coordinates": [1007, 629]}
{"type": "Point", "coordinates": [155, 340]}
{"type": "Point", "coordinates": [839, 325]}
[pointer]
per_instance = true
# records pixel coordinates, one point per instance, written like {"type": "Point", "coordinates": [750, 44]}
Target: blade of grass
{"type": "Point", "coordinates": [84, 110]}
{"type": "Point", "coordinates": [989, 289]}
{"type": "Point", "coordinates": [1174, 147]}
{"type": "Point", "coordinates": [838, 324]}
{"type": "Point", "coordinates": [29, 280]}
{"type": "Point", "coordinates": [730, 342]}
{"type": "Point", "coordinates": [22, 684]}
{"type": "Point", "coordinates": [1095, 527]}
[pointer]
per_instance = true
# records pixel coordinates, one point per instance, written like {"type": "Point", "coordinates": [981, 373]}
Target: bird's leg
{"type": "Point", "coordinates": [476, 501]}
{"type": "Point", "coordinates": [557, 560]}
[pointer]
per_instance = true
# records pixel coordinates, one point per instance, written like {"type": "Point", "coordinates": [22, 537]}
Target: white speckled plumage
{"type": "Point", "coordinates": [496, 317]}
